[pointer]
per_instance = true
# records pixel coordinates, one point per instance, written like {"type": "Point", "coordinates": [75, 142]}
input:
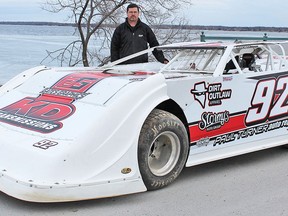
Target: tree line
{"type": "Point", "coordinates": [165, 26]}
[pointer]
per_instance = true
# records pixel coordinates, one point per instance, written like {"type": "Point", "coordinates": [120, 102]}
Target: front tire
{"type": "Point", "coordinates": [162, 149]}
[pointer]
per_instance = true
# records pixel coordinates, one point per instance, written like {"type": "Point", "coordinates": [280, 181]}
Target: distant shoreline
{"type": "Point", "coordinates": [190, 27]}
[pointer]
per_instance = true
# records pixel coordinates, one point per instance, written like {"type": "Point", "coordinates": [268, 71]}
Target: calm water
{"type": "Point", "coordinates": [24, 46]}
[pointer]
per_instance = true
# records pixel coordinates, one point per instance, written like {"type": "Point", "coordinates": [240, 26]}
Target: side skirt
{"type": "Point", "coordinates": [230, 151]}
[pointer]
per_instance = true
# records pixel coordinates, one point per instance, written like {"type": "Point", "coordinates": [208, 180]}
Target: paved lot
{"type": "Point", "coordinates": [252, 184]}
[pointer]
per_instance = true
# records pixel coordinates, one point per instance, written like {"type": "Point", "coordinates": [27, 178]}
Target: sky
{"type": "Point", "coordinates": [201, 12]}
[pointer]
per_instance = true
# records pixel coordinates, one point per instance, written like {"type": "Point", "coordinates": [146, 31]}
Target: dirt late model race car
{"type": "Point", "coordinates": [82, 133]}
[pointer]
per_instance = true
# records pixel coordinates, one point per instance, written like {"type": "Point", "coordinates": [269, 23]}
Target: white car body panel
{"type": "Point", "coordinates": [72, 133]}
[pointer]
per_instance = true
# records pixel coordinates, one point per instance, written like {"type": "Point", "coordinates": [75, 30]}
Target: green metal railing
{"type": "Point", "coordinates": [204, 38]}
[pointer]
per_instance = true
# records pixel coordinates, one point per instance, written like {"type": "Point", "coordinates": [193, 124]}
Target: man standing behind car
{"type": "Point", "coordinates": [133, 36]}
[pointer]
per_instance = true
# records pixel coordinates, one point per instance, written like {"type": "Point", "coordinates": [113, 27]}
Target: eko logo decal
{"type": "Point", "coordinates": [45, 112]}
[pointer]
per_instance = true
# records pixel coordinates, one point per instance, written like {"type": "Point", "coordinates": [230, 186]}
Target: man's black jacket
{"type": "Point", "coordinates": [128, 40]}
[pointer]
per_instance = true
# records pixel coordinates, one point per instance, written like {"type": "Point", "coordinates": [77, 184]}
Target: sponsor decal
{"type": "Point", "coordinates": [45, 144]}
{"type": "Point", "coordinates": [203, 142]}
{"type": "Point", "coordinates": [64, 93]}
{"type": "Point", "coordinates": [137, 79]}
{"type": "Point", "coordinates": [216, 94]}
{"type": "Point", "coordinates": [212, 121]}
{"type": "Point", "coordinates": [249, 132]}
{"type": "Point", "coordinates": [213, 93]}
{"type": "Point", "coordinates": [29, 123]}
{"type": "Point", "coordinates": [230, 123]}
{"type": "Point", "coordinates": [199, 93]}
{"type": "Point", "coordinates": [45, 112]}
{"type": "Point", "coordinates": [227, 78]}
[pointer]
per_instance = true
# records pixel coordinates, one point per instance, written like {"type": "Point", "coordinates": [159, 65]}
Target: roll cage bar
{"type": "Point", "coordinates": [214, 58]}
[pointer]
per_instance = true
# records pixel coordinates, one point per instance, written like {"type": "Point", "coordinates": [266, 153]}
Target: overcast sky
{"type": "Point", "coordinates": [202, 12]}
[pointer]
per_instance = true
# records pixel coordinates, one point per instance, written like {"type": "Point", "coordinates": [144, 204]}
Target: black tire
{"type": "Point", "coordinates": [162, 149]}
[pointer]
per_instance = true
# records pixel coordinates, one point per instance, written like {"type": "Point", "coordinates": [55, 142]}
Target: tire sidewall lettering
{"type": "Point", "coordinates": [162, 126]}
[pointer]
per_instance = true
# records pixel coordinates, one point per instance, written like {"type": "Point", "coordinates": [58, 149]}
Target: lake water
{"type": "Point", "coordinates": [24, 46]}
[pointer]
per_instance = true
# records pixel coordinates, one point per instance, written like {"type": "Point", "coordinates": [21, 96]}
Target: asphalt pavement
{"type": "Point", "coordinates": [253, 184]}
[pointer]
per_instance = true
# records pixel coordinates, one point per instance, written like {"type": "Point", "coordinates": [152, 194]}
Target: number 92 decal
{"type": "Point", "coordinates": [269, 102]}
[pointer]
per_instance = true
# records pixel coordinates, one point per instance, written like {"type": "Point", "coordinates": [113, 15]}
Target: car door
{"type": "Point", "coordinates": [239, 112]}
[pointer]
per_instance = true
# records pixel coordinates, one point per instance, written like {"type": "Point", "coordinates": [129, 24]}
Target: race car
{"type": "Point", "coordinates": [82, 133]}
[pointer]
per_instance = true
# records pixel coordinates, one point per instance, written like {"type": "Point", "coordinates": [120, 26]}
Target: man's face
{"type": "Point", "coordinates": [132, 14]}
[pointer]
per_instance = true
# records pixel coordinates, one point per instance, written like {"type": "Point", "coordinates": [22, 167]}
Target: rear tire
{"type": "Point", "coordinates": [162, 149]}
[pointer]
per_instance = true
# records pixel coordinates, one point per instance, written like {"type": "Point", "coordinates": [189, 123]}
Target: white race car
{"type": "Point", "coordinates": [83, 133]}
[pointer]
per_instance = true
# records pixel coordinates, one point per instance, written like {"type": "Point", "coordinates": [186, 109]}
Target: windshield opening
{"type": "Point", "coordinates": [193, 60]}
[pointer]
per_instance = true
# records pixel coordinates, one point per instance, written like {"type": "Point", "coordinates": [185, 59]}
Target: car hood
{"type": "Point", "coordinates": [42, 102]}
{"type": "Point", "coordinates": [60, 120]}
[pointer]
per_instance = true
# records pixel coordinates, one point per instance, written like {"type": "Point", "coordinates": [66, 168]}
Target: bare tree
{"type": "Point", "coordinates": [97, 19]}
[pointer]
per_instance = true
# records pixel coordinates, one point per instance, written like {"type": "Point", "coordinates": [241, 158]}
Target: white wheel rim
{"type": "Point", "coordinates": [164, 153]}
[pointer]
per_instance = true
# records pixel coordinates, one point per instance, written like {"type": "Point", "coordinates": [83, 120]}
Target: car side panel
{"type": "Point", "coordinates": [233, 114]}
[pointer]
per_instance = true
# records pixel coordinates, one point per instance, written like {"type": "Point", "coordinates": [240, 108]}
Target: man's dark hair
{"type": "Point", "coordinates": [132, 5]}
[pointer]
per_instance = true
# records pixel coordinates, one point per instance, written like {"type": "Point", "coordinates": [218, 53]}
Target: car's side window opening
{"type": "Point", "coordinates": [247, 63]}
{"type": "Point", "coordinates": [192, 60]}
{"type": "Point", "coordinates": [251, 59]}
